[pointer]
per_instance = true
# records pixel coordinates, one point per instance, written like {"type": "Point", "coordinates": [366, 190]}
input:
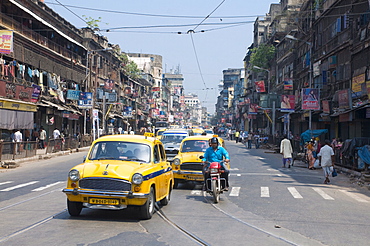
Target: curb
{"type": "Point", "coordinates": [7, 164]}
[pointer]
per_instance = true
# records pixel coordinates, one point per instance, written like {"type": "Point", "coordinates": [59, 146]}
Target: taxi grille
{"type": "Point", "coordinates": [193, 166]}
{"type": "Point", "coordinates": [105, 184]}
{"type": "Point", "coordinates": [172, 152]}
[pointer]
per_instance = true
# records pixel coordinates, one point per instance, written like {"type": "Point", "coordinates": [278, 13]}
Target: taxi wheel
{"type": "Point", "coordinates": [175, 183]}
{"type": "Point", "coordinates": [147, 210]}
{"type": "Point", "coordinates": [167, 198]}
{"type": "Point", "coordinates": [74, 208]}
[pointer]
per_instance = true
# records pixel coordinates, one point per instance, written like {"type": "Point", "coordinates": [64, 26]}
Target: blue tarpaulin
{"type": "Point", "coordinates": [364, 153]}
{"type": "Point", "coordinates": [307, 135]}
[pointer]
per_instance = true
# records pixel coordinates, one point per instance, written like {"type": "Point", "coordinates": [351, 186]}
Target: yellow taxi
{"type": "Point", "coordinates": [121, 171]}
{"type": "Point", "coordinates": [160, 133]}
{"type": "Point", "coordinates": [198, 131]}
{"type": "Point", "coordinates": [187, 165]}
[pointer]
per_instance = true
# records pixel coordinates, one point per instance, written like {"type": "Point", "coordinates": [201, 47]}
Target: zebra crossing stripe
{"type": "Point", "coordinates": [19, 186]}
{"type": "Point", "coordinates": [265, 192]}
{"type": "Point", "coordinates": [196, 192]}
{"type": "Point", "coordinates": [294, 192]}
{"type": "Point", "coordinates": [354, 196]}
{"type": "Point", "coordinates": [47, 186]}
{"type": "Point", "coordinates": [7, 182]}
{"type": "Point", "coordinates": [323, 194]}
{"type": "Point", "coordinates": [234, 191]}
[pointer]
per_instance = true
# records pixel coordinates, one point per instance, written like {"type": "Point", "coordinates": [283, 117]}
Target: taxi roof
{"type": "Point", "coordinates": [200, 137]}
{"type": "Point", "coordinates": [127, 138]}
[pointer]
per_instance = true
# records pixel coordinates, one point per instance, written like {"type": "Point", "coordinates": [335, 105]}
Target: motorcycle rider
{"type": "Point", "coordinates": [216, 153]}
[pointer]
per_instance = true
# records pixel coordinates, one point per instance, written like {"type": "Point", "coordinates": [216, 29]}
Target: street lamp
{"type": "Point", "coordinates": [310, 75]}
{"type": "Point", "coordinates": [87, 84]}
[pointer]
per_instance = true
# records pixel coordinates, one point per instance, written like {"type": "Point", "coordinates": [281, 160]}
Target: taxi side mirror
{"type": "Point", "coordinates": [84, 159]}
{"type": "Point", "coordinates": [201, 157]}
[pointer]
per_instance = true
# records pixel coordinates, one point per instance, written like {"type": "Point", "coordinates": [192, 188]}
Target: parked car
{"type": "Point", "coordinates": [121, 171]}
{"type": "Point", "coordinates": [187, 165]}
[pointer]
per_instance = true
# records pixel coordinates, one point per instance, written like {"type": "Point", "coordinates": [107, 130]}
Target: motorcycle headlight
{"type": "Point", "coordinates": [137, 178]}
{"type": "Point", "coordinates": [176, 162]}
{"type": "Point", "coordinates": [74, 175]}
{"type": "Point", "coordinates": [213, 170]}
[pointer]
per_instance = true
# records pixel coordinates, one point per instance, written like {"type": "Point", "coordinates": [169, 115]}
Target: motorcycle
{"type": "Point", "coordinates": [215, 185]}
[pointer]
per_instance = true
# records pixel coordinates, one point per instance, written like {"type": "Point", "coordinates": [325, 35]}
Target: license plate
{"type": "Point", "coordinates": [104, 201]}
{"type": "Point", "coordinates": [194, 178]}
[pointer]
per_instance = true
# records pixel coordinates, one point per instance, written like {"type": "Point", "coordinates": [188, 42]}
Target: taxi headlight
{"type": "Point", "coordinates": [74, 175]}
{"type": "Point", "coordinates": [137, 178]}
{"type": "Point", "coordinates": [176, 162]}
{"type": "Point", "coordinates": [213, 170]}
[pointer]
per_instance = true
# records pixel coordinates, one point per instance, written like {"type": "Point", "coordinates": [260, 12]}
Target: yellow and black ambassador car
{"type": "Point", "coordinates": [121, 171]}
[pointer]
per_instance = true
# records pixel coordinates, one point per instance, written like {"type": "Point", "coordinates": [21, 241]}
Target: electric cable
{"type": "Point", "coordinates": [208, 15]}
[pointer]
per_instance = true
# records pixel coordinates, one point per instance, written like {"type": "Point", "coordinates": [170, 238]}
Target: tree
{"type": "Point", "coordinates": [129, 67]}
{"type": "Point", "coordinates": [262, 56]}
{"type": "Point", "coordinates": [93, 23]}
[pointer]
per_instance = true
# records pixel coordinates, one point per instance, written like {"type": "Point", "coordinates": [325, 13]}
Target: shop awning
{"type": "Point", "coordinates": [59, 107]}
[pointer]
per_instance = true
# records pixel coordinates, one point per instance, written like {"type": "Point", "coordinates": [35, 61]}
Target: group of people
{"type": "Point", "coordinates": [324, 155]}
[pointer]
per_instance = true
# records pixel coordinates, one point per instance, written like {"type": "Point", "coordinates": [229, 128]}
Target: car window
{"type": "Point", "coordinates": [169, 138]}
{"type": "Point", "coordinates": [119, 150]}
{"type": "Point", "coordinates": [163, 153]}
{"type": "Point", "coordinates": [156, 154]}
{"type": "Point", "coordinates": [194, 146]}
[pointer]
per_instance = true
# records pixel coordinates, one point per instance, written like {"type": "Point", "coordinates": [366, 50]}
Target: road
{"type": "Point", "coordinates": [267, 205]}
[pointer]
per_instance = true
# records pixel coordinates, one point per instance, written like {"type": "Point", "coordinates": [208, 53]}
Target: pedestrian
{"type": "Point", "coordinates": [237, 136]}
{"type": "Point", "coordinates": [56, 133]}
{"type": "Point", "coordinates": [18, 140]}
{"type": "Point", "coordinates": [326, 160]}
{"type": "Point", "coordinates": [250, 139]}
{"type": "Point", "coordinates": [42, 138]}
{"type": "Point", "coordinates": [35, 135]}
{"type": "Point", "coordinates": [286, 150]}
{"type": "Point", "coordinates": [311, 158]}
{"type": "Point", "coordinates": [27, 135]}
{"type": "Point", "coordinates": [257, 140]}
{"type": "Point", "coordinates": [120, 130]}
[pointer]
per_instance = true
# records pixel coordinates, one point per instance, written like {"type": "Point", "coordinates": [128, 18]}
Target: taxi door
{"type": "Point", "coordinates": [159, 167]}
{"type": "Point", "coordinates": [165, 166]}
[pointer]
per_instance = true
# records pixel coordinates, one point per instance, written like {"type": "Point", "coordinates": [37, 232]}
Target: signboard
{"type": "Point", "coordinates": [18, 92]}
{"type": "Point", "coordinates": [326, 107]}
{"type": "Point", "coordinates": [287, 103]}
{"type": "Point", "coordinates": [343, 99]}
{"type": "Point", "coordinates": [127, 111]}
{"type": "Point", "coordinates": [288, 84]}
{"type": "Point", "coordinates": [73, 95]}
{"type": "Point", "coordinates": [260, 86]}
{"type": "Point", "coordinates": [6, 41]}
{"type": "Point", "coordinates": [95, 114]}
{"type": "Point", "coordinates": [85, 100]}
{"type": "Point", "coordinates": [357, 82]}
{"type": "Point", "coordinates": [310, 99]}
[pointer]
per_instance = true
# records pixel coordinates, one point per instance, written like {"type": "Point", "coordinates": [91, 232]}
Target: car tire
{"type": "Point", "coordinates": [74, 208]}
{"type": "Point", "coordinates": [147, 210]}
{"type": "Point", "coordinates": [167, 198]}
{"type": "Point", "coordinates": [175, 183]}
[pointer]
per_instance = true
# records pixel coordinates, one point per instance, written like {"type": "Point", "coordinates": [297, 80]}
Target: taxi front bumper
{"type": "Point", "coordinates": [122, 194]}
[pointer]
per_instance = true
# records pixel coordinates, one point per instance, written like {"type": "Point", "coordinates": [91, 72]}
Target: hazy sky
{"type": "Point", "coordinates": [228, 32]}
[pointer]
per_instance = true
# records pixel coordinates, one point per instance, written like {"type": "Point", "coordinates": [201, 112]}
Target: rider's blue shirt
{"type": "Point", "coordinates": [217, 155]}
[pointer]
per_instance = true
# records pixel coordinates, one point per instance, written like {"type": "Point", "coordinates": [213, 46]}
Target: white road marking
{"type": "Point", "coordinates": [294, 192]}
{"type": "Point", "coordinates": [234, 191]}
{"type": "Point", "coordinates": [19, 186]}
{"type": "Point", "coordinates": [196, 192]}
{"type": "Point", "coordinates": [270, 169]}
{"type": "Point", "coordinates": [7, 182]}
{"type": "Point", "coordinates": [234, 169]}
{"type": "Point", "coordinates": [265, 192]}
{"type": "Point", "coordinates": [323, 194]}
{"type": "Point", "coordinates": [47, 186]}
{"type": "Point", "coordinates": [354, 196]}
{"type": "Point", "coordinates": [238, 175]}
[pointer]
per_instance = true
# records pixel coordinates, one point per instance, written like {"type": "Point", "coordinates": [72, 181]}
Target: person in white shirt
{"type": "Point", "coordinates": [56, 133]}
{"type": "Point", "coordinates": [326, 160]}
{"type": "Point", "coordinates": [286, 150]}
{"type": "Point", "coordinates": [18, 139]}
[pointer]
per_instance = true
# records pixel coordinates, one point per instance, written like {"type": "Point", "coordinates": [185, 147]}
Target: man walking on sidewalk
{"type": "Point", "coordinates": [286, 150]}
{"type": "Point", "coordinates": [326, 160]}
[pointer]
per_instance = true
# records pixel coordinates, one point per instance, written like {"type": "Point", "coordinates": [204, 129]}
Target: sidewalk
{"type": "Point", "coordinates": [40, 155]}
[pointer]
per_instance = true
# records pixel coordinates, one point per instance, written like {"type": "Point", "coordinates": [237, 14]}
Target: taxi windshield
{"type": "Point", "coordinates": [118, 150]}
{"type": "Point", "coordinates": [194, 146]}
{"type": "Point", "coordinates": [166, 138]}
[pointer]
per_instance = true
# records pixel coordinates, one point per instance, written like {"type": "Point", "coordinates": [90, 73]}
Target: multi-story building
{"type": "Point", "coordinates": [177, 105]}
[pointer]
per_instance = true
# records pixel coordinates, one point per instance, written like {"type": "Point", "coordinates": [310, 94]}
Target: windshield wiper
{"type": "Point", "coordinates": [134, 159]}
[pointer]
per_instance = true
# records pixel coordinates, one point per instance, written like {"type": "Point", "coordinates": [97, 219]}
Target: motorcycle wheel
{"type": "Point", "coordinates": [215, 191]}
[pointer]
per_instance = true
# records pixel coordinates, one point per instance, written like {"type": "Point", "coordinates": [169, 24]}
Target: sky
{"type": "Point", "coordinates": [205, 47]}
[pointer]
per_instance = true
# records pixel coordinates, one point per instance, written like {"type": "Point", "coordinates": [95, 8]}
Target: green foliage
{"type": "Point", "coordinates": [262, 56]}
{"type": "Point", "coordinates": [93, 23]}
{"type": "Point", "coordinates": [129, 67]}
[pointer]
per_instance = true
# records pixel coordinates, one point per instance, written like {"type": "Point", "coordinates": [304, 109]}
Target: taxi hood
{"type": "Point", "coordinates": [112, 169]}
{"type": "Point", "coordinates": [191, 156]}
